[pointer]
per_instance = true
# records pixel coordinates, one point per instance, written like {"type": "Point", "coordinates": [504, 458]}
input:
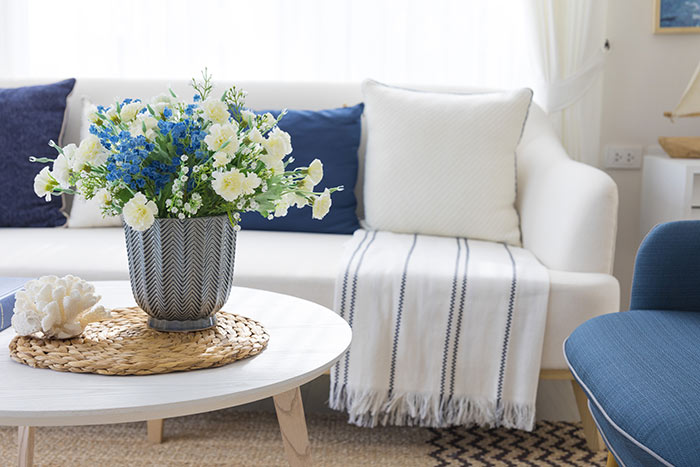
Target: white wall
{"type": "Point", "coordinates": [645, 75]}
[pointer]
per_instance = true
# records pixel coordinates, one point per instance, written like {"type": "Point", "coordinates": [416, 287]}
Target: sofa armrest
{"type": "Point", "coordinates": [568, 210]}
{"type": "Point", "coordinates": [667, 269]}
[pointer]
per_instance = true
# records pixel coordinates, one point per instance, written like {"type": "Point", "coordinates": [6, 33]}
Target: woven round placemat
{"type": "Point", "coordinates": [124, 345]}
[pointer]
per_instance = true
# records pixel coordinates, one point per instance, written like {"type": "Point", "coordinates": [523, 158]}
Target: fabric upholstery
{"type": "Point", "coordinates": [301, 264]}
{"type": "Point", "coordinates": [30, 117]}
{"type": "Point", "coordinates": [443, 163]}
{"type": "Point", "coordinates": [622, 446]}
{"type": "Point", "coordinates": [568, 210]}
{"type": "Point", "coordinates": [641, 369]}
{"type": "Point", "coordinates": [666, 272]}
{"type": "Point", "coordinates": [333, 136]}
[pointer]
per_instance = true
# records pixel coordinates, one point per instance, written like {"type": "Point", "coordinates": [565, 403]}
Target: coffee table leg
{"type": "Point", "coordinates": [25, 444]}
{"type": "Point", "coordinates": [290, 414]}
{"type": "Point", "coordinates": [155, 431]}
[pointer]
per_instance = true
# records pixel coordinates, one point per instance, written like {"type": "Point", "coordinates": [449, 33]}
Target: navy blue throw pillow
{"type": "Point", "coordinates": [29, 117]}
{"type": "Point", "coordinates": [333, 136]}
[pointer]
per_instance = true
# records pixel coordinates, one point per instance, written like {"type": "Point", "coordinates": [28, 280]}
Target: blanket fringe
{"type": "Point", "coordinates": [369, 408]}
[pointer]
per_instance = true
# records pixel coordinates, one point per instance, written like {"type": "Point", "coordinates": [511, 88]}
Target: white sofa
{"type": "Point", "coordinates": [568, 215]}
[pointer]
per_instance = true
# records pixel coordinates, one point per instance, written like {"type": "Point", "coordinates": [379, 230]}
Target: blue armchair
{"type": "Point", "coordinates": [641, 369]}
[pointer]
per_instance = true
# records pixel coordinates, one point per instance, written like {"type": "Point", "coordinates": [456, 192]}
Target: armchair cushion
{"type": "Point", "coordinates": [640, 372]}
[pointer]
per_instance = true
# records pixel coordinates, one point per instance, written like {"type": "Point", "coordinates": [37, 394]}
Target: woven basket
{"type": "Point", "coordinates": [181, 270]}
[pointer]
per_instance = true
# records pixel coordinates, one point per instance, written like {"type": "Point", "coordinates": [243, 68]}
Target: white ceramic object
{"type": "Point", "coordinates": [58, 307]}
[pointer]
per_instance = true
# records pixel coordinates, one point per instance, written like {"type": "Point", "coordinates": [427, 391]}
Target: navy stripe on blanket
{"type": "Point", "coordinates": [353, 295]}
{"type": "Point", "coordinates": [402, 291]}
{"type": "Point", "coordinates": [341, 312]}
{"type": "Point", "coordinates": [458, 331]}
{"type": "Point", "coordinates": [506, 337]}
{"type": "Point", "coordinates": [448, 332]}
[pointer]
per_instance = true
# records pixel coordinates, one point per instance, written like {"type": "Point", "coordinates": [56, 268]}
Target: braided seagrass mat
{"type": "Point", "coordinates": [124, 345]}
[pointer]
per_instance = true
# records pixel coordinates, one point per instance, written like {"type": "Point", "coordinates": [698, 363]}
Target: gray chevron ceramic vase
{"type": "Point", "coordinates": [181, 270]}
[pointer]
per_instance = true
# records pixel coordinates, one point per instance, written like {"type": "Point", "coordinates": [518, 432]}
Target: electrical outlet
{"type": "Point", "coordinates": [623, 157]}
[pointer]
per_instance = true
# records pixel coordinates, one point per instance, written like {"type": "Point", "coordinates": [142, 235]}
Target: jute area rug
{"type": "Point", "coordinates": [235, 438]}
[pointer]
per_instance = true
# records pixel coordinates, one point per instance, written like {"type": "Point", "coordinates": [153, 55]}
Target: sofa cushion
{"type": "Point", "coordinates": [30, 117]}
{"type": "Point", "coordinates": [86, 212]}
{"type": "Point", "coordinates": [333, 136]}
{"type": "Point", "coordinates": [443, 164]}
{"type": "Point", "coordinates": [641, 371]}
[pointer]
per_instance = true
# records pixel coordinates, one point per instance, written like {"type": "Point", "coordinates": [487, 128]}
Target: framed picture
{"type": "Point", "coordinates": [676, 16]}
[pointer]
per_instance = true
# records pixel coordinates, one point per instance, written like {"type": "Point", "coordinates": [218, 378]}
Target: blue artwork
{"type": "Point", "coordinates": [679, 14]}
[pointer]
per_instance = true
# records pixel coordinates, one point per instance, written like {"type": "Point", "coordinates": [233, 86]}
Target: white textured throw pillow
{"type": "Point", "coordinates": [86, 212]}
{"type": "Point", "coordinates": [443, 164]}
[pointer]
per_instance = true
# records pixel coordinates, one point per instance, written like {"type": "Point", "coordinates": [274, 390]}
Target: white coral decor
{"type": "Point", "coordinates": [58, 307]}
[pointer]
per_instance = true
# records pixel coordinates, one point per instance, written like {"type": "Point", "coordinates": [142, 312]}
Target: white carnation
{"type": "Point", "coordinates": [268, 121]}
{"type": "Point", "coordinates": [160, 102]}
{"type": "Point", "coordinates": [248, 117]}
{"type": "Point", "coordinates": [111, 114]}
{"type": "Point", "coordinates": [44, 184]}
{"type": "Point", "coordinates": [90, 152]}
{"type": "Point", "coordinates": [272, 163]}
{"type": "Point", "coordinates": [229, 185]}
{"type": "Point", "coordinates": [252, 181]}
{"type": "Point", "coordinates": [322, 204]}
{"type": "Point", "coordinates": [220, 134]}
{"type": "Point", "coordinates": [215, 110]}
{"type": "Point", "coordinates": [61, 171]}
{"type": "Point", "coordinates": [139, 213]}
{"type": "Point", "coordinates": [281, 207]}
{"type": "Point", "coordinates": [278, 143]}
{"type": "Point", "coordinates": [315, 171]}
{"type": "Point", "coordinates": [293, 199]}
{"type": "Point", "coordinates": [69, 152]}
{"type": "Point", "coordinates": [129, 111]}
{"type": "Point", "coordinates": [255, 136]}
{"type": "Point", "coordinates": [221, 159]}
{"type": "Point", "coordinates": [103, 197]}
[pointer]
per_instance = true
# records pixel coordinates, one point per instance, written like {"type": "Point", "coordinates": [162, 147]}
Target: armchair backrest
{"type": "Point", "coordinates": [667, 269]}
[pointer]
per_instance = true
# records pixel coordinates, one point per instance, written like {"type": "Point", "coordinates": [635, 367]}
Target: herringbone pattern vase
{"type": "Point", "coordinates": [181, 270]}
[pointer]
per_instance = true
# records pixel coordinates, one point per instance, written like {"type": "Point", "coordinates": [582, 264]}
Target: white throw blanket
{"type": "Point", "coordinates": [446, 331]}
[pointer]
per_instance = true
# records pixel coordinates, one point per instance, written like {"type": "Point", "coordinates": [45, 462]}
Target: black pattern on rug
{"type": "Point", "coordinates": [549, 444]}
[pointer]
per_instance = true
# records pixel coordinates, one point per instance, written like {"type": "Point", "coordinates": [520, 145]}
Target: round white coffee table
{"type": "Point", "coordinates": [306, 339]}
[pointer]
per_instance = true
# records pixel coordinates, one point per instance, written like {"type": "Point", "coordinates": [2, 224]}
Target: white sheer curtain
{"type": "Point", "coordinates": [569, 57]}
{"type": "Point", "coordinates": [543, 44]}
{"type": "Point", "coordinates": [409, 41]}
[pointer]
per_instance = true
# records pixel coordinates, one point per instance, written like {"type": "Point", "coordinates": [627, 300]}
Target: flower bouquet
{"type": "Point", "coordinates": [181, 173]}
{"type": "Point", "coordinates": [172, 159]}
